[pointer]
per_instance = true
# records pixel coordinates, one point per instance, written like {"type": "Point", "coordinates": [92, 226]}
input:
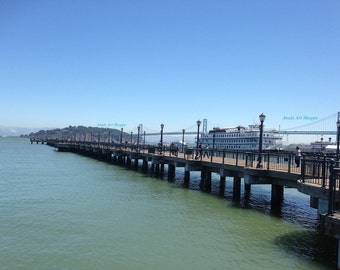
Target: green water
{"type": "Point", "coordinates": [65, 211]}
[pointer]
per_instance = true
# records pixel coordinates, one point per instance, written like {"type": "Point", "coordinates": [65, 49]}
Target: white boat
{"type": "Point", "coordinates": [242, 138]}
{"type": "Point", "coordinates": [331, 148]}
{"type": "Point", "coordinates": [320, 146]}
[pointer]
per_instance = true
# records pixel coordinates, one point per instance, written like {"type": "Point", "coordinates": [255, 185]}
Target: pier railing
{"type": "Point", "coordinates": [316, 169]}
{"type": "Point", "coordinates": [325, 172]}
{"type": "Point", "coordinates": [270, 160]}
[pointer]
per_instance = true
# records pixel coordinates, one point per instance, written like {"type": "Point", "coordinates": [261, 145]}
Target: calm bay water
{"type": "Point", "coordinates": [65, 211]}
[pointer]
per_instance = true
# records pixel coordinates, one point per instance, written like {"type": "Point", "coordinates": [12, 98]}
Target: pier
{"type": "Point", "coordinates": [37, 140]}
{"type": "Point", "coordinates": [318, 176]}
{"type": "Point", "coordinates": [278, 169]}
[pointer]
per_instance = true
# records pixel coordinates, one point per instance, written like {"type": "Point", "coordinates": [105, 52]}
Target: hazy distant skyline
{"type": "Point", "coordinates": [125, 63]}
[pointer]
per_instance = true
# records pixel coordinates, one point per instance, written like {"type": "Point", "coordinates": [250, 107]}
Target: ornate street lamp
{"type": "Point", "coordinates": [138, 138]}
{"type": "Point", "coordinates": [183, 131]}
{"type": "Point", "coordinates": [162, 126]}
{"type": "Point", "coordinates": [198, 136]}
{"type": "Point", "coordinates": [337, 139]}
{"type": "Point", "coordinates": [121, 135]}
{"type": "Point", "coordinates": [262, 118]}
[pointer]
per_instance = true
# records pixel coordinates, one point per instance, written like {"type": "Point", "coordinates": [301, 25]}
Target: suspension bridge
{"type": "Point", "coordinates": [325, 126]}
{"type": "Point", "coordinates": [318, 127]}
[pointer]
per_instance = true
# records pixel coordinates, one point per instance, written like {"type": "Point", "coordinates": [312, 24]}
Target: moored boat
{"type": "Point", "coordinates": [242, 138]}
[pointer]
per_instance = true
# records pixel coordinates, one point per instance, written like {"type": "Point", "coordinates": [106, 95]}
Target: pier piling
{"type": "Point", "coordinates": [236, 188]}
{"type": "Point", "coordinates": [276, 196]}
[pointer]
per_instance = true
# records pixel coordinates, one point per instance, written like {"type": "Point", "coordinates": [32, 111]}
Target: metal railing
{"type": "Point", "coordinates": [323, 171]}
{"type": "Point", "coordinates": [271, 160]}
{"type": "Point", "coordinates": [316, 169]}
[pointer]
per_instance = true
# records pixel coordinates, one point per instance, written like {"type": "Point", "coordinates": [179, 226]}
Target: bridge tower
{"type": "Point", "coordinates": [205, 126]}
{"type": "Point", "coordinates": [141, 128]}
{"type": "Point", "coordinates": [204, 133]}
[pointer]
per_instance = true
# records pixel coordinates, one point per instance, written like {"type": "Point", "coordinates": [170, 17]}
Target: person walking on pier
{"type": "Point", "coordinates": [297, 154]}
{"type": "Point", "coordinates": [206, 151]}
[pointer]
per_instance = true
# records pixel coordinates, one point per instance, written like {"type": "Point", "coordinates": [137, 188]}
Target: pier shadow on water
{"type": "Point", "coordinates": [311, 245]}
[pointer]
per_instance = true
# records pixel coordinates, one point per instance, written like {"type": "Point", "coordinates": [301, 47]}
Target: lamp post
{"type": "Point", "coordinates": [183, 131]}
{"type": "Point", "coordinates": [138, 138]}
{"type": "Point", "coordinates": [161, 150]}
{"type": "Point", "coordinates": [121, 135]}
{"type": "Point", "coordinates": [198, 136]}
{"type": "Point", "coordinates": [337, 139]}
{"type": "Point", "coordinates": [262, 118]}
{"type": "Point", "coordinates": [161, 141]}
{"type": "Point", "coordinates": [131, 140]}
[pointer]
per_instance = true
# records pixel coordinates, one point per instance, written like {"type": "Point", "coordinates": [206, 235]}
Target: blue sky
{"type": "Point", "coordinates": [129, 62]}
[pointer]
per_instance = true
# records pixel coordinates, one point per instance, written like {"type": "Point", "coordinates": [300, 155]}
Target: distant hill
{"type": "Point", "coordinates": [80, 133]}
{"type": "Point", "coordinates": [16, 131]}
